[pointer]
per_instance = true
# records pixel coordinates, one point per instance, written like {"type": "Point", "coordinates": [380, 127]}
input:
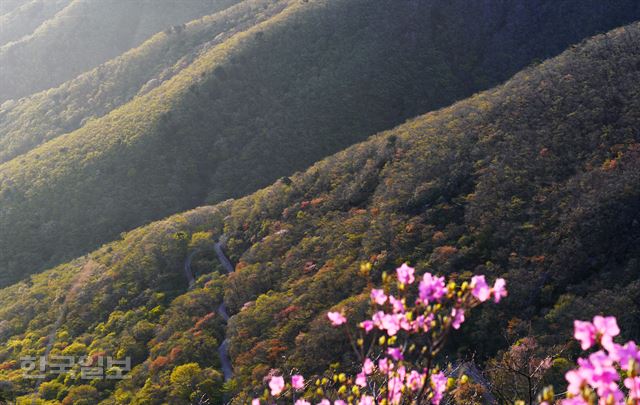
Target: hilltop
{"type": "Point", "coordinates": [75, 36]}
{"type": "Point", "coordinates": [304, 82]}
{"type": "Point", "coordinates": [536, 180]}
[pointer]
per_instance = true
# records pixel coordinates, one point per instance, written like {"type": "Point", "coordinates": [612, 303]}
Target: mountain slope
{"type": "Point", "coordinates": [537, 180]}
{"type": "Point", "coordinates": [25, 19]}
{"type": "Point", "coordinates": [307, 82]}
{"type": "Point", "coordinates": [85, 34]}
{"type": "Point", "coordinates": [41, 117]}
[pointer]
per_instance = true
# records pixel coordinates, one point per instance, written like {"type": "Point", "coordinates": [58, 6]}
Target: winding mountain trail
{"type": "Point", "coordinates": [223, 349]}
{"type": "Point", "coordinates": [224, 260]}
{"type": "Point", "coordinates": [188, 274]}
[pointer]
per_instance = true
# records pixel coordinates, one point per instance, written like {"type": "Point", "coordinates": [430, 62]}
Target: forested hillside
{"type": "Point", "coordinates": [536, 181]}
{"type": "Point", "coordinates": [25, 18]}
{"type": "Point", "coordinates": [307, 82]}
{"type": "Point", "coordinates": [81, 36]}
{"type": "Point", "coordinates": [41, 117]}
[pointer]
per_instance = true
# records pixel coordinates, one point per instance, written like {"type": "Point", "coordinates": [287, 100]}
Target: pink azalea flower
{"type": "Point", "coordinates": [395, 386]}
{"type": "Point", "coordinates": [367, 366]}
{"type": "Point", "coordinates": [415, 380]}
{"type": "Point", "coordinates": [398, 305]}
{"type": "Point", "coordinates": [395, 353]}
{"type": "Point", "coordinates": [389, 322]}
{"type": "Point", "coordinates": [297, 381]}
{"type": "Point", "coordinates": [302, 402]}
{"type": "Point", "coordinates": [422, 323]}
{"type": "Point", "coordinates": [607, 329]}
{"type": "Point", "coordinates": [378, 296]}
{"type": "Point", "coordinates": [625, 355]}
{"type": "Point", "coordinates": [439, 384]}
{"type": "Point", "coordinates": [577, 380]}
{"type": "Point", "coordinates": [276, 385]}
{"type": "Point", "coordinates": [431, 288]}
{"type": "Point", "coordinates": [603, 329]}
{"type": "Point", "coordinates": [600, 373]}
{"type": "Point", "coordinates": [633, 384]}
{"type": "Point", "coordinates": [367, 325]}
{"type": "Point", "coordinates": [255, 401]}
{"type": "Point", "coordinates": [366, 400]}
{"type": "Point", "coordinates": [324, 402]}
{"type": "Point", "coordinates": [574, 401]}
{"type": "Point", "coordinates": [339, 402]}
{"type": "Point", "coordinates": [361, 380]}
{"type": "Point", "coordinates": [499, 290]}
{"type": "Point", "coordinates": [336, 318]}
{"type": "Point", "coordinates": [585, 333]}
{"type": "Point", "coordinates": [458, 317]}
{"type": "Point", "coordinates": [480, 288]}
{"type": "Point", "coordinates": [385, 366]}
{"type": "Point", "coordinates": [405, 274]}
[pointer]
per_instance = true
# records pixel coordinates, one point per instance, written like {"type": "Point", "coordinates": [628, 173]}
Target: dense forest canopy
{"type": "Point", "coordinates": [305, 81]}
{"type": "Point", "coordinates": [536, 181]}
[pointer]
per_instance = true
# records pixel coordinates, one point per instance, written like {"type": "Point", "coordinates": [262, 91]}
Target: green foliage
{"type": "Point", "coordinates": [82, 35]}
{"type": "Point", "coordinates": [537, 181]}
{"type": "Point", "coordinates": [33, 120]}
{"type": "Point", "coordinates": [273, 95]}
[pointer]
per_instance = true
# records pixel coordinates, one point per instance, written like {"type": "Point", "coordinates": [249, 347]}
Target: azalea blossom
{"type": "Point", "coordinates": [366, 400]}
{"type": "Point", "coordinates": [384, 365]}
{"type": "Point", "coordinates": [431, 288]}
{"type": "Point", "coordinates": [607, 328]}
{"type": "Point", "coordinates": [457, 315]}
{"type": "Point", "coordinates": [603, 330]}
{"type": "Point", "coordinates": [336, 318]}
{"type": "Point", "coordinates": [395, 353]}
{"type": "Point", "coordinates": [585, 333]}
{"type": "Point", "coordinates": [367, 325]}
{"type": "Point", "coordinates": [499, 290]}
{"type": "Point", "coordinates": [255, 401]}
{"type": "Point", "coordinates": [633, 384]}
{"type": "Point", "coordinates": [405, 274]}
{"type": "Point", "coordinates": [439, 384]}
{"type": "Point", "coordinates": [480, 288]}
{"type": "Point", "coordinates": [394, 387]}
{"type": "Point", "coordinates": [297, 381]}
{"type": "Point", "coordinates": [394, 380]}
{"type": "Point", "coordinates": [415, 380]}
{"type": "Point", "coordinates": [378, 296]}
{"type": "Point", "coordinates": [368, 366]}
{"type": "Point", "coordinates": [627, 355]}
{"type": "Point", "coordinates": [397, 304]}
{"type": "Point", "coordinates": [276, 385]}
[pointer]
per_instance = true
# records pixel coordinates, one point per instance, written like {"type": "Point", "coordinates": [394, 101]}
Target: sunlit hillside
{"type": "Point", "coordinates": [535, 180]}
{"type": "Point", "coordinates": [285, 89]}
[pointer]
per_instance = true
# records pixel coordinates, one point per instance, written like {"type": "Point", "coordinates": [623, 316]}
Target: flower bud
{"type": "Point", "coordinates": [451, 382]}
